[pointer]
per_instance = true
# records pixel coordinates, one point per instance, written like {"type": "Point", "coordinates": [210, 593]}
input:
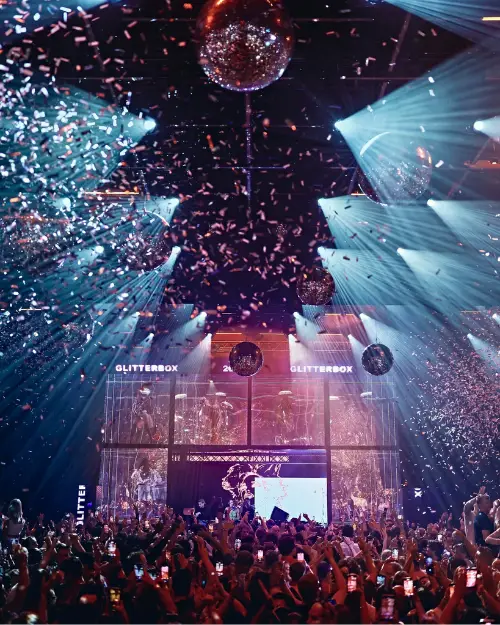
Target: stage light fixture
{"type": "Point", "coordinates": [431, 202]}
{"type": "Point", "coordinates": [296, 315]}
{"type": "Point", "coordinates": [338, 125]}
{"type": "Point", "coordinates": [400, 250]}
{"type": "Point", "coordinates": [149, 124]}
{"type": "Point", "coordinates": [176, 250]}
{"type": "Point", "coordinates": [99, 249]}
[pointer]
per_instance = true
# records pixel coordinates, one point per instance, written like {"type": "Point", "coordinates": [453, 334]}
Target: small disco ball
{"type": "Point", "coordinates": [246, 359]}
{"type": "Point", "coordinates": [147, 246]}
{"type": "Point", "coordinates": [377, 359]}
{"type": "Point", "coordinates": [244, 45]}
{"type": "Point", "coordinates": [393, 170]}
{"type": "Point", "coordinates": [315, 287]}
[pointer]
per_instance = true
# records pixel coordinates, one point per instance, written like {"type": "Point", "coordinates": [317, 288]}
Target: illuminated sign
{"type": "Point", "coordinates": [146, 368]}
{"type": "Point", "coordinates": [321, 369]}
{"type": "Point", "coordinates": [310, 369]}
{"type": "Point", "coordinates": [80, 506]}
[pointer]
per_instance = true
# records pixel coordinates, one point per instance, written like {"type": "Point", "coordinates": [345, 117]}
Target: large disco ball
{"type": "Point", "coordinates": [244, 45]}
{"type": "Point", "coordinates": [315, 287]}
{"type": "Point", "coordinates": [246, 359]}
{"type": "Point", "coordinates": [377, 359]}
{"type": "Point", "coordinates": [146, 246]}
{"type": "Point", "coordinates": [394, 170]}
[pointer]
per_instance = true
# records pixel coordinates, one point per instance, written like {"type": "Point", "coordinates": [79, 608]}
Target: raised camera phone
{"type": "Point", "coordinates": [380, 580]}
{"type": "Point", "coordinates": [408, 586]}
{"type": "Point", "coordinates": [471, 577]}
{"type": "Point", "coordinates": [115, 595]}
{"type": "Point", "coordinates": [111, 548]}
{"type": "Point", "coordinates": [387, 607]}
{"type": "Point", "coordinates": [260, 554]}
{"type": "Point", "coordinates": [219, 568]}
{"type": "Point", "coordinates": [164, 572]}
{"type": "Point", "coordinates": [237, 544]}
{"type": "Point", "coordinates": [300, 556]}
{"type": "Point", "coordinates": [395, 553]}
{"type": "Point", "coordinates": [139, 570]}
{"type": "Point", "coordinates": [352, 583]}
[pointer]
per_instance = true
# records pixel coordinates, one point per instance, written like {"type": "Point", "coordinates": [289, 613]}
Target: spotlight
{"type": "Point", "coordinates": [99, 249]}
{"type": "Point", "coordinates": [479, 126]}
{"type": "Point", "coordinates": [149, 124]}
{"type": "Point", "coordinates": [362, 315]}
{"type": "Point", "coordinates": [151, 335]}
{"type": "Point", "coordinates": [203, 314]}
{"type": "Point", "coordinates": [338, 125]}
{"type": "Point", "coordinates": [431, 203]}
{"type": "Point", "coordinates": [469, 336]}
{"type": "Point", "coordinates": [400, 251]}
{"type": "Point", "coordinates": [176, 250]}
{"type": "Point", "coordinates": [209, 335]}
{"type": "Point", "coordinates": [349, 336]}
{"type": "Point", "coordinates": [296, 315]}
{"type": "Point", "coordinates": [495, 316]}
{"type": "Point", "coordinates": [321, 250]}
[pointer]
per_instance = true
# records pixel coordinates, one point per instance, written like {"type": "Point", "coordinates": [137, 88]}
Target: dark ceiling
{"type": "Point", "coordinates": [142, 54]}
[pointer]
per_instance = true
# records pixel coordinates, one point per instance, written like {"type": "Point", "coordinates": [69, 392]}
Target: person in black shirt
{"type": "Point", "coordinates": [483, 525]}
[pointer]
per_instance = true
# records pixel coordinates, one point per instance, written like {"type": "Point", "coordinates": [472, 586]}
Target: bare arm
{"type": "Point", "coordinates": [493, 538]}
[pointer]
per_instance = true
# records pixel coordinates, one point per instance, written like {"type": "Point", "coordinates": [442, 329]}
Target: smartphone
{"type": "Point", "coordinates": [440, 538]}
{"type": "Point", "coordinates": [111, 548]}
{"type": "Point", "coordinates": [260, 554]}
{"type": "Point", "coordinates": [471, 577]}
{"type": "Point", "coordinates": [354, 526]}
{"type": "Point", "coordinates": [164, 572]}
{"type": "Point", "coordinates": [237, 544]}
{"type": "Point", "coordinates": [408, 586]}
{"type": "Point", "coordinates": [395, 553]}
{"type": "Point", "coordinates": [146, 524]}
{"type": "Point", "coordinates": [32, 618]}
{"type": "Point", "coordinates": [300, 556]}
{"type": "Point", "coordinates": [219, 568]}
{"type": "Point", "coordinates": [111, 519]}
{"type": "Point", "coordinates": [352, 583]}
{"type": "Point", "coordinates": [210, 527]}
{"type": "Point", "coordinates": [380, 580]}
{"type": "Point", "coordinates": [429, 566]}
{"type": "Point", "coordinates": [387, 608]}
{"type": "Point", "coordinates": [139, 571]}
{"type": "Point", "coordinates": [452, 590]}
{"type": "Point", "coordinates": [152, 573]}
{"type": "Point", "coordinates": [115, 595]}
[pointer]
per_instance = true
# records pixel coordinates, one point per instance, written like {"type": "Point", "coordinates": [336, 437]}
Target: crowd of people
{"type": "Point", "coordinates": [188, 569]}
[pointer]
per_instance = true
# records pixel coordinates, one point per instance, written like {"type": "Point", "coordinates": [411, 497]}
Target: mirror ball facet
{"type": "Point", "coordinates": [394, 170]}
{"type": "Point", "coordinates": [315, 287]}
{"type": "Point", "coordinates": [246, 359]}
{"type": "Point", "coordinates": [377, 359]}
{"type": "Point", "coordinates": [244, 45]}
